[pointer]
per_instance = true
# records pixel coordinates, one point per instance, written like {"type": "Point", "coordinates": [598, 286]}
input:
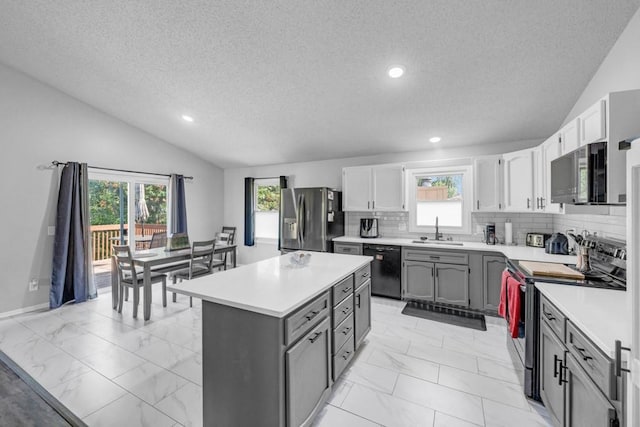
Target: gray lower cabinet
{"type": "Point", "coordinates": [585, 405]}
{"type": "Point", "coordinates": [418, 280]}
{"type": "Point", "coordinates": [573, 396]}
{"type": "Point", "coordinates": [552, 354]}
{"type": "Point", "coordinates": [347, 248]}
{"type": "Point", "coordinates": [308, 368]}
{"type": "Point", "coordinates": [452, 284]}
{"type": "Point", "coordinates": [492, 267]}
{"type": "Point", "coordinates": [362, 312]}
{"type": "Point", "coordinates": [435, 276]}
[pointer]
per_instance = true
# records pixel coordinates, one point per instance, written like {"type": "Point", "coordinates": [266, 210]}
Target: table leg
{"type": "Point", "coordinates": [147, 292]}
{"type": "Point", "coordinates": [114, 283]}
{"type": "Point", "coordinates": [235, 254]}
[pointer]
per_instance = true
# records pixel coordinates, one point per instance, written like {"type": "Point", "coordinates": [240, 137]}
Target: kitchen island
{"type": "Point", "coordinates": [276, 335]}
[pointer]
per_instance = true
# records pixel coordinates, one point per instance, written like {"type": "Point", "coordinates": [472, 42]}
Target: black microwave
{"type": "Point", "coordinates": [580, 177]}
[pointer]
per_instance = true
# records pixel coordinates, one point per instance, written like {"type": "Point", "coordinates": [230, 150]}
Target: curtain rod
{"type": "Point", "coordinates": [57, 163]}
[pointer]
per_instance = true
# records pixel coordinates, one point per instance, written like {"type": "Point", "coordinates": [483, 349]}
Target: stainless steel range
{"type": "Point", "coordinates": [605, 267]}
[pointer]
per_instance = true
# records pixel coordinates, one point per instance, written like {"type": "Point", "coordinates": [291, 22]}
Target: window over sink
{"type": "Point", "coordinates": [443, 193]}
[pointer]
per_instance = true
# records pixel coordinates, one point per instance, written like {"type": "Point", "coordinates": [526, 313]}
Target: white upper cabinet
{"type": "Point", "coordinates": [549, 150]}
{"type": "Point", "coordinates": [569, 136]}
{"type": "Point", "coordinates": [487, 184]}
{"type": "Point", "coordinates": [388, 188]}
{"type": "Point", "coordinates": [592, 123]}
{"type": "Point", "coordinates": [518, 181]}
{"type": "Point", "coordinates": [373, 188]}
{"type": "Point", "coordinates": [356, 188]}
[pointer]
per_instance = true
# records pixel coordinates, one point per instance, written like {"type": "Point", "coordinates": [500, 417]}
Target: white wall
{"type": "Point", "coordinates": [39, 124]}
{"type": "Point", "coordinates": [619, 71]}
{"type": "Point", "coordinates": [327, 173]}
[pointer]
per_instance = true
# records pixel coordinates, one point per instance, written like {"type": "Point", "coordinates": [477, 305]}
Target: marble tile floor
{"type": "Point", "coordinates": [110, 369]}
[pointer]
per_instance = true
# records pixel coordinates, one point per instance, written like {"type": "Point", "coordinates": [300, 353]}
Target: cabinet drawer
{"type": "Point", "coordinates": [554, 318]}
{"type": "Point", "coordinates": [436, 256]}
{"type": "Point", "coordinates": [347, 248]}
{"type": "Point", "coordinates": [305, 318]}
{"type": "Point", "coordinates": [342, 310]}
{"type": "Point", "coordinates": [343, 357]}
{"type": "Point", "coordinates": [362, 275]}
{"type": "Point", "coordinates": [342, 332]}
{"type": "Point", "coordinates": [599, 367]}
{"type": "Point", "coordinates": [342, 289]}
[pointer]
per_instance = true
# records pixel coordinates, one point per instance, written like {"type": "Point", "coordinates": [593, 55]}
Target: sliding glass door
{"type": "Point", "coordinates": [125, 210]}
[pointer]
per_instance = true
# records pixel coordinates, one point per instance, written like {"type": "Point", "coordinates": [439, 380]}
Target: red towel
{"type": "Point", "coordinates": [502, 306]}
{"type": "Point", "coordinates": [513, 293]}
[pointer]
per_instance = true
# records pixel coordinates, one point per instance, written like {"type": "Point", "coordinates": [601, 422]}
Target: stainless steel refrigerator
{"type": "Point", "coordinates": [310, 219]}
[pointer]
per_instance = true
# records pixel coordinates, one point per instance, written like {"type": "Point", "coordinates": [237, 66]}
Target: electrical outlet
{"type": "Point", "coordinates": [33, 285]}
{"type": "Point", "coordinates": [402, 226]}
{"type": "Point", "coordinates": [51, 230]}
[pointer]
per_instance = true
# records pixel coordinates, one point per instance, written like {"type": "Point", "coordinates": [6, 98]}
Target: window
{"type": "Point", "coordinates": [442, 193]}
{"type": "Point", "coordinates": [267, 213]}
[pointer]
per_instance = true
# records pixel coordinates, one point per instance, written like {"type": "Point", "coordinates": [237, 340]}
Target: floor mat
{"type": "Point", "coordinates": [21, 405]}
{"type": "Point", "coordinates": [452, 316]}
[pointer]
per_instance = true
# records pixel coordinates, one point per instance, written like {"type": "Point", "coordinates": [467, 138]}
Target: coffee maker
{"type": "Point", "coordinates": [490, 233]}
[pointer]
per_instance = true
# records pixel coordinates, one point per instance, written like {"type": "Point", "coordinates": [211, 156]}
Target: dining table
{"type": "Point", "coordinates": [159, 260]}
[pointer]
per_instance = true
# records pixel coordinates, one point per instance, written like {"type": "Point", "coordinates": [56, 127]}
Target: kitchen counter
{"type": "Point", "coordinates": [602, 315]}
{"type": "Point", "coordinates": [274, 286]}
{"type": "Point", "coordinates": [526, 253]}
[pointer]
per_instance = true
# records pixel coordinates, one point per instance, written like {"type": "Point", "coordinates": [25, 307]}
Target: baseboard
{"type": "Point", "coordinates": [24, 310]}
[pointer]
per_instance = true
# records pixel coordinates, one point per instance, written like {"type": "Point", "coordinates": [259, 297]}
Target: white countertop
{"type": "Point", "coordinates": [526, 253]}
{"type": "Point", "coordinates": [273, 286]}
{"type": "Point", "coordinates": [603, 315]}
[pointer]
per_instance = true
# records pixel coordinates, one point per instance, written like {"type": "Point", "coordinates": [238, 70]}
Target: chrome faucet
{"type": "Point", "coordinates": [438, 234]}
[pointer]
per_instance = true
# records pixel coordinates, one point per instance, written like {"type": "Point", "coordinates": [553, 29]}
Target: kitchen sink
{"type": "Point", "coordinates": [439, 242]}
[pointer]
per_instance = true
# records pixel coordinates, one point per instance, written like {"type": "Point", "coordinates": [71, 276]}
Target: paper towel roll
{"type": "Point", "coordinates": [508, 233]}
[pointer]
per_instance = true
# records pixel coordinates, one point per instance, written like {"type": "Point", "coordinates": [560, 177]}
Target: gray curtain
{"type": "Point", "coordinates": [72, 272]}
{"type": "Point", "coordinates": [178, 204]}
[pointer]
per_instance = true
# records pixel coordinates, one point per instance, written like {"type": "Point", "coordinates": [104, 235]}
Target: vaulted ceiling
{"type": "Point", "coordinates": [285, 81]}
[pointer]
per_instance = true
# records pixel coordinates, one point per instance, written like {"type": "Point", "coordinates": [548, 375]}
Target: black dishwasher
{"type": "Point", "coordinates": [385, 270]}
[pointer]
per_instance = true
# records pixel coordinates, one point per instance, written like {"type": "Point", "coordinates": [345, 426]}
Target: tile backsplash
{"type": "Point", "coordinates": [613, 225]}
{"type": "Point", "coordinates": [395, 224]}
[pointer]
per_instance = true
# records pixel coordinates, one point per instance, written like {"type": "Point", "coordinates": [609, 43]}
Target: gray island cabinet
{"type": "Point", "coordinates": [276, 336]}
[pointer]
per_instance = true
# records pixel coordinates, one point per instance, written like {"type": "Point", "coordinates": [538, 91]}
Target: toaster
{"type": "Point", "coordinates": [537, 240]}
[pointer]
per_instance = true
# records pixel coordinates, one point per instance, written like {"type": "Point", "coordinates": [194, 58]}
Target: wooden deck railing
{"type": "Point", "coordinates": [103, 236]}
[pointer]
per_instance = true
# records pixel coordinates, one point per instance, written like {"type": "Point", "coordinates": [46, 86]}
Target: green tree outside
{"type": "Point", "coordinates": [268, 198]}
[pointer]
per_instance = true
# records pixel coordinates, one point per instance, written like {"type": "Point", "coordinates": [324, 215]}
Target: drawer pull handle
{"type": "Point", "coordinates": [311, 315]}
{"type": "Point", "coordinates": [346, 310]}
{"type": "Point", "coordinates": [556, 359]}
{"type": "Point", "coordinates": [582, 353]}
{"type": "Point", "coordinates": [346, 331]}
{"type": "Point", "coordinates": [434, 257]}
{"type": "Point", "coordinates": [346, 354]}
{"type": "Point", "coordinates": [562, 370]}
{"type": "Point", "coordinates": [315, 337]}
{"type": "Point", "coordinates": [548, 315]}
{"type": "Point", "coordinates": [365, 274]}
{"type": "Point", "coordinates": [345, 290]}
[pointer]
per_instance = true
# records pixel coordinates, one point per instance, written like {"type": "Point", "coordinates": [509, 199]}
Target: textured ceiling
{"type": "Point", "coordinates": [285, 81]}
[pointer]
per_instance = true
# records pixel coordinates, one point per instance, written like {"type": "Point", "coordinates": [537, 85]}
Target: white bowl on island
{"type": "Point", "coordinates": [299, 259]}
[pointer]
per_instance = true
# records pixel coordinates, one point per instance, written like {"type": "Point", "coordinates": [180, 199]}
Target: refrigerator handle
{"type": "Point", "coordinates": [301, 223]}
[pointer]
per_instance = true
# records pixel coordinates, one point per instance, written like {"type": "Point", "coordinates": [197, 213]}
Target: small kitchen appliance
{"type": "Point", "coordinates": [537, 240]}
{"type": "Point", "coordinates": [368, 227]}
{"type": "Point", "coordinates": [557, 244]}
{"type": "Point", "coordinates": [490, 233]}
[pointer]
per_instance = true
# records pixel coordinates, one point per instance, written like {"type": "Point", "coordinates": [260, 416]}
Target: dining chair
{"type": "Point", "coordinates": [232, 233]}
{"type": "Point", "coordinates": [201, 263]}
{"type": "Point", "coordinates": [158, 240]}
{"type": "Point", "coordinates": [128, 277]}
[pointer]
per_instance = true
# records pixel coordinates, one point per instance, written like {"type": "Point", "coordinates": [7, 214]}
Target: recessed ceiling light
{"type": "Point", "coordinates": [396, 71]}
{"type": "Point", "coordinates": [434, 139]}
{"type": "Point", "coordinates": [187, 118]}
